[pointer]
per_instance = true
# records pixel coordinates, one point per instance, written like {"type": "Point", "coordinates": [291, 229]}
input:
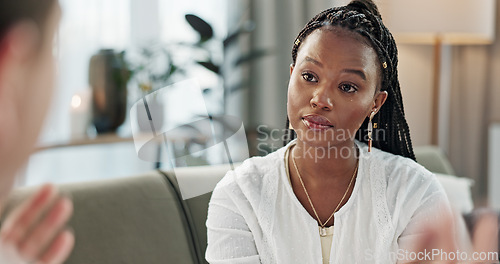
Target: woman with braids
{"type": "Point", "coordinates": [346, 188]}
{"type": "Point", "coordinates": [35, 231]}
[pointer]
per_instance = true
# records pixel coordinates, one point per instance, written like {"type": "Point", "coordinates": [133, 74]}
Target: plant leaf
{"type": "Point", "coordinates": [210, 66]}
{"type": "Point", "coordinates": [247, 27]}
{"type": "Point", "coordinates": [203, 28]}
{"type": "Point", "coordinates": [173, 69]}
{"type": "Point", "coordinates": [252, 55]}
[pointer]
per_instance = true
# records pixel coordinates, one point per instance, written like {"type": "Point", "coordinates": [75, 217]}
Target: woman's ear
{"type": "Point", "coordinates": [291, 69]}
{"type": "Point", "coordinates": [380, 99]}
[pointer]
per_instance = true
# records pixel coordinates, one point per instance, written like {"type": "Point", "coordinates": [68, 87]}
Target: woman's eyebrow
{"type": "Point", "coordinates": [357, 72]}
{"type": "Point", "coordinates": [309, 59]}
{"type": "Point", "coordinates": [360, 73]}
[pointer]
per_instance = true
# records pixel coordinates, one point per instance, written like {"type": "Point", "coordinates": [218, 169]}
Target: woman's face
{"type": "Point", "coordinates": [333, 88]}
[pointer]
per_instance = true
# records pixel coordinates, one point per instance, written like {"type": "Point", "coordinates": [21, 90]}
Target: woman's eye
{"type": "Point", "coordinates": [309, 77]}
{"type": "Point", "coordinates": [348, 88]}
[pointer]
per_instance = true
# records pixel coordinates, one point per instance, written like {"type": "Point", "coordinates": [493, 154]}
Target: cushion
{"type": "Point", "coordinates": [458, 190]}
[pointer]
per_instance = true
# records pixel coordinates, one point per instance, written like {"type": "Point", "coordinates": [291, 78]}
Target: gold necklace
{"type": "Point", "coordinates": [322, 229]}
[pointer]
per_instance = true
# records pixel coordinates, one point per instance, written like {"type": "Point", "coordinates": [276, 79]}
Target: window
{"type": "Point", "coordinates": [86, 27]}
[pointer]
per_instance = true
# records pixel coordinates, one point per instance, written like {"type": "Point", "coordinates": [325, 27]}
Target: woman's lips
{"type": "Point", "coordinates": [316, 122]}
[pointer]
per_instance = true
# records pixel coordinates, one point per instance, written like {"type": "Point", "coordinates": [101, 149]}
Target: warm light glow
{"type": "Point", "coordinates": [76, 101]}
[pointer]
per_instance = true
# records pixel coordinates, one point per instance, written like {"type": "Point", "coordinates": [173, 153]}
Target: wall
{"type": "Point", "coordinates": [415, 77]}
{"type": "Point", "coordinates": [278, 23]}
{"type": "Point", "coordinates": [474, 107]}
{"type": "Point", "coordinates": [494, 98]}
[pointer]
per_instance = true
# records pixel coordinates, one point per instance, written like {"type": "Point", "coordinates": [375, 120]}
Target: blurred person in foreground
{"type": "Point", "coordinates": [34, 232]}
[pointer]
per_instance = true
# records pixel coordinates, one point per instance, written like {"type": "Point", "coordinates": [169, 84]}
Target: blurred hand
{"type": "Point", "coordinates": [36, 232]}
{"type": "Point", "coordinates": [485, 236]}
{"type": "Point", "coordinates": [440, 236]}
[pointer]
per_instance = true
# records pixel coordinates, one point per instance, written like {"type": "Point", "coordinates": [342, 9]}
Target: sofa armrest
{"type": "Point", "coordinates": [127, 220]}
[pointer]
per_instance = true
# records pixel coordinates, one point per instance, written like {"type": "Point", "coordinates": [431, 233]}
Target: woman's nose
{"type": "Point", "coordinates": [322, 99]}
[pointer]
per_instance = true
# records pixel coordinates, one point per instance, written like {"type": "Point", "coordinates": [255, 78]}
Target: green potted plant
{"type": "Point", "coordinates": [153, 68]}
{"type": "Point", "coordinates": [223, 70]}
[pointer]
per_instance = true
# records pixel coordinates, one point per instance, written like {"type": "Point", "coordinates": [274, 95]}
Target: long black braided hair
{"type": "Point", "coordinates": [363, 18]}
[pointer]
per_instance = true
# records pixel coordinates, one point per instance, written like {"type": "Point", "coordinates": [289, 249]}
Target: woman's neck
{"type": "Point", "coordinates": [323, 165]}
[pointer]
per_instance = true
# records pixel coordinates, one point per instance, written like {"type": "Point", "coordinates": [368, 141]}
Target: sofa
{"type": "Point", "coordinates": [146, 218]}
{"type": "Point", "coordinates": [141, 219]}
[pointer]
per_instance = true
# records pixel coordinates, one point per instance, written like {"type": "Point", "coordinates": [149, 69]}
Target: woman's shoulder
{"type": "Point", "coordinates": [403, 186]}
{"type": "Point", "coordinates": [405, 179]}
{"type": "Point", "coordinates": [396, 164]}
{"type": "Point", "coordinates": [403, 173]}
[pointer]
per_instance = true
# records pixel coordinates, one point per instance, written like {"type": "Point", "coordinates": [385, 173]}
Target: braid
{"type": "Point", "coordinates": [289, 134]}
{"type": "Point", "coordinates": [363, 17]}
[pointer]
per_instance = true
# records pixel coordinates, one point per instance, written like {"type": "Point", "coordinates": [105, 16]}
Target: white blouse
{"type": "Point", "coordinates": [326, 240]}
{"type": "Point", "coordinates": [255, 217]}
